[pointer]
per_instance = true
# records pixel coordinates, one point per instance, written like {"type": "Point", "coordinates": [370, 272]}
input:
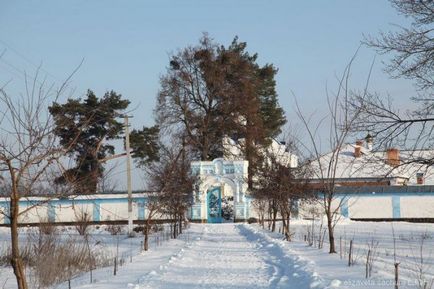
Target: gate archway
{"type": "Point", "coordinates": [220, 191]}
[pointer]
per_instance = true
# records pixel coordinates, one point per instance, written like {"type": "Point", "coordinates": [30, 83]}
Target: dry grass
{"type": "Point", "coordinates": [52, 258]}
{"type": "Point", "coordinates": [82, 220]}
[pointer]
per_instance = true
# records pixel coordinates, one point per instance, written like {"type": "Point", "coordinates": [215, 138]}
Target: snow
{"type": "Point", "coordinates": [235, 256]}
{"type": "Point", "coordinates": [371, 164]}
{"type": "Point", "coordinates": [408, 239]}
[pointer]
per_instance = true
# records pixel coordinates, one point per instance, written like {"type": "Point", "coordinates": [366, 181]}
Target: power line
{"type": "Point", "coordinates": [18, 72]}
{"type": "Point", "coordinates": [12, 72]}
{"type": "Point", "coordinates": [38, 67]}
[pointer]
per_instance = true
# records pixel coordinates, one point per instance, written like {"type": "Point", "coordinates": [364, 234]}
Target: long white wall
{"type": "Point", "coordinates": [115, 207]}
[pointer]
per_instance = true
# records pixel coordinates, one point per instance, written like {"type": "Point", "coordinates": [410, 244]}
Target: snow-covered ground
{"type": "Point", "coordinates": [247, 256]}
{"type": "Point", "coordinates": [409, 244]}
{"type": "Point", "coordinates": [216, 256]}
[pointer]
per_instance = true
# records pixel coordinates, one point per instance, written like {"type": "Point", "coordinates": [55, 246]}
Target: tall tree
{"type": "Point", "coordinates": [189, 99]}
{"type": "Point", "coordinates": [92, 147]}
{"type": "Point", "coordinates": [253, 100]}
{"type": "Point", "coordinates": [257, 88]}
{"type": "Point", "coordinates": [210, 91]}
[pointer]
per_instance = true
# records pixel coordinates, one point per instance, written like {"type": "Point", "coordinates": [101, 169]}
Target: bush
{"type": "Point", "coordinates": [82, 220]}
{"type": "Point", "coordinates": [47, 227]}
{"type": "Point", "coordinates": [252, 220]}
{"type": "Point", "coordinates": [157, 228]}
{"type": "Point", "coordinates": [114, 229]}
{"type": "Point", "coordinates": [139, 229]}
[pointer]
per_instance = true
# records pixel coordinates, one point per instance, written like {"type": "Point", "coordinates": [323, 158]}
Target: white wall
{"type": "Point", "coordinates": [71, 212]}
{"type": "Point", "coordinates": [370, 207]}
{"type": "Point", "coordinates": [420, 206]}
{"type": "Point", "coordinates": [114, 211]}
{"type": "Point", "coordinates": [33, 215]}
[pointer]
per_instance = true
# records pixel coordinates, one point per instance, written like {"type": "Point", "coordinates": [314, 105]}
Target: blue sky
{"type": "Point", "coordinates": [125, 44]}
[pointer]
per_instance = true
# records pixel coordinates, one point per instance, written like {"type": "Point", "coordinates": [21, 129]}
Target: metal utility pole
{"type": "Point", "coordinates": [130, 199]}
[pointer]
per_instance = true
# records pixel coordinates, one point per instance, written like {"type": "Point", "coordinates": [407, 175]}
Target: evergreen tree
{"type": "Point", "coordinates": [256, 102]}
{"type": "Point", "coordinates": [145, 146]}
{"type": "Point", "coordinates": [90, 124]}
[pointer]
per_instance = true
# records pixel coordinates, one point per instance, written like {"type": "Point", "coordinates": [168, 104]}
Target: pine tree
{"type": "Point", "coordinates": [91, 124]}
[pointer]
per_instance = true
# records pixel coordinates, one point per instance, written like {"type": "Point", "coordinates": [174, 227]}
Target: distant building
{"type": "Point", "coordinates": [379, 185]}
{"type": "Point", "coordinates": [360, 165]}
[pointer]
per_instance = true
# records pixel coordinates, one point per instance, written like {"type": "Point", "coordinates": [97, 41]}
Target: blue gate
{"type": "Point", "coordinates": [214, 204]}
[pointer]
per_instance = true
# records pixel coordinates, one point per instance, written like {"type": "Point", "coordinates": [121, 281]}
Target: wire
{"type": "Point", "coordinates": [20, 73]}
{"type": "Point", "coordinates": [38, 67]}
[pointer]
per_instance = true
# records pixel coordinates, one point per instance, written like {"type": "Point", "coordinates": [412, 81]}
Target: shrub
{"type": "Point", "coordinates": [139, 229]}
{"type": "Point", "coordinates": [82, 220]}
{"type": "Point", "coordinates": [47, 227]}
{"type": "Point", "coordinates": [114, 229]}
{"type": "Point", "coordinates": [252, 220]}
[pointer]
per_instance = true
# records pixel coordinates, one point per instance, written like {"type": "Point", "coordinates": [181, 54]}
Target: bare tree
{"type": "Point", "coordinates": [260, 205]}
{"type": "Point", "coordinates": [412, 47]}
{"type": "Point", "coordinates": [171, 179]}
{"type": "Point", "coordinates": [278, 186]}
{"type": "Point", "coordinates": [412, 51]}
{"type": "Point", "coordinates": [153, 209]}
{"type": "Point", "coordinates": [421, 267]}
{"type": "Point", "coordinates": [28, 153]}
{"type": "Point", "coordinates": [325, 168]}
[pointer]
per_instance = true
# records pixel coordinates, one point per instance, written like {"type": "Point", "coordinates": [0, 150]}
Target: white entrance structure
{"type": "Point", "coordinates": [227, 179]}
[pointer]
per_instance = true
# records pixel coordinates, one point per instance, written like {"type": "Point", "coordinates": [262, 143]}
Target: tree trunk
{"type": "Point", "coordinates": [288, 228]}
{"type": "Point", "coordinates": [16, 260]}
{"type": "Point", "coordinates": [263, 220]}
{"type": "Point", "coordinates": [283, 225]}
{"type": "Point", "coordinates": [273, 225]}
{"type": "Point", "coordinates": [330, 228]}
{"type": "Point", "coordinates": [174, 229]}
{"type": "Point", "coordinates": [146, 239]}
{"type": "Point", "coordinates": [205, 149]}
{"type": "Point", "coordinates": [269, 216]}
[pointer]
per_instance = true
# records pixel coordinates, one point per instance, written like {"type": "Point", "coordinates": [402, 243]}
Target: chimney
{"type": "Point", "coordinates": [420, 179]}
{"type": "Point", "coordinates": [358, 149]}
{"type": "Point", "coordinates": [392, 157]}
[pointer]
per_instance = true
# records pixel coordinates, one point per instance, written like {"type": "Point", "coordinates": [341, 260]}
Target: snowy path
{"type": "Point", "coordinates": [227, 256]}
{"type": "Point", "coordinates": [221, 258]}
